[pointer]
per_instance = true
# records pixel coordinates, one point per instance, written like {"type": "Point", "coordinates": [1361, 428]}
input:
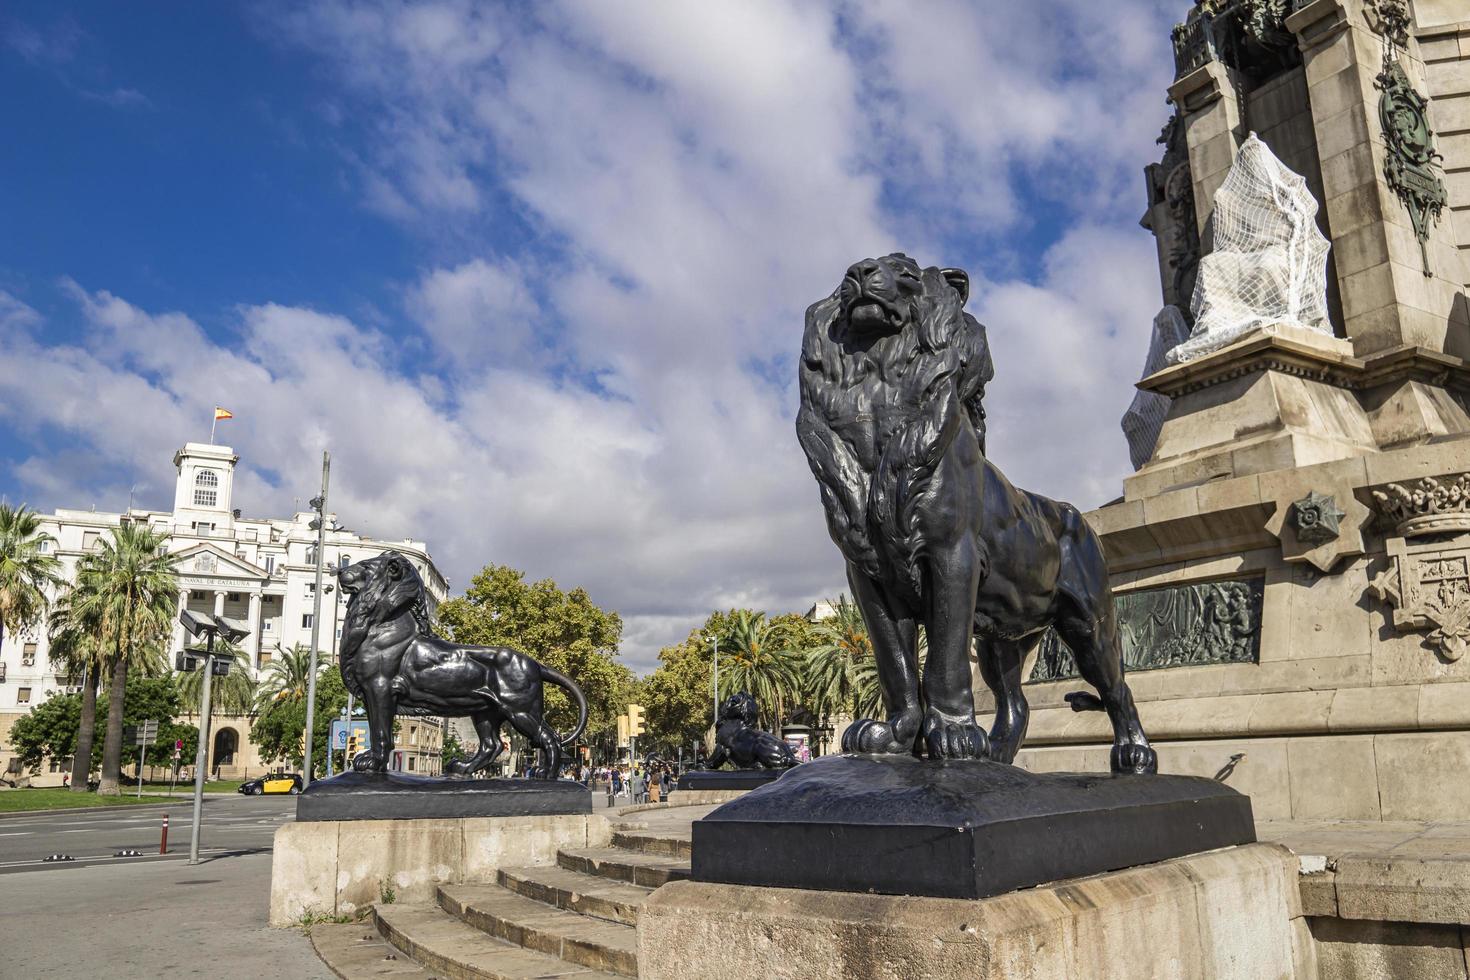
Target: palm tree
{"type": "Point", "coordinates": [841, 673]}
{"type": "Point", "coordinates": [26, 572]}
{"type": "Point", "coordinates": [754, 658]}
{"type": "Point", "coordinates": [286, 677]}
{"type": "Point", "coordinates": [129, 585]}
{"type": "Point", "coordinates": [76, 648]}
{"type": "Point", "coordinates": [232, 694]}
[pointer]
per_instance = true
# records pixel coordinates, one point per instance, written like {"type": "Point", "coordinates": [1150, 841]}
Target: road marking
{"type": "Point", "coordinates": [18, 833]}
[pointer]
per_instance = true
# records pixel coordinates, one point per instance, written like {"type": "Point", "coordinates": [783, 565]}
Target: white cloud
{"type": "Point", "coordinates": [611, 394]}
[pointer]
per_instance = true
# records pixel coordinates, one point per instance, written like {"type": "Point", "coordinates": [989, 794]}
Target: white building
{"type": "Point", "coordinates": [259, 571]}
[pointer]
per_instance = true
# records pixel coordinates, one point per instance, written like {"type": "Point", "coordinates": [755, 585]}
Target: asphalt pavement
{"type": "Point", "coordinates": [239, 824]}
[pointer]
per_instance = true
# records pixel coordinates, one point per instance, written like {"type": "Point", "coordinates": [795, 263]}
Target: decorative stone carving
{"type": "Point", "coordinates": [207, 564]}
{"type": "Point", "coordinates": [1269, 261]}
{"type": "Point", "coordinates": [1248, 35]}
{"type": "Point", "coordinates": [1320, 528]}
{"type": "Point", "coordinates": [1428, 586]}
{"type": "Point", "coordinates": [1145, 416]}
{"type": "Point", "coordinates": [1177, 626]}
{"type": "Point", "coordinates": [1390, 19]}
{"type": "Point", "coordinates": [1170, 183]}
{"type": "Point", "coordinates": [1427, 507]}
{"type": "Point", "coordinates": [1316, 517]}
{"type": "Point", "coordinates": [1411, 164]}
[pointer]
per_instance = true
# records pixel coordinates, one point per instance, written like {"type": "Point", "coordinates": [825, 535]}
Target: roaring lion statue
{"type": "Point", "coordinates": [893, 373]}
{"type": "Point", "coordinates": [739, 740]}
{"type": "Point", "coordinates": [394, 664]}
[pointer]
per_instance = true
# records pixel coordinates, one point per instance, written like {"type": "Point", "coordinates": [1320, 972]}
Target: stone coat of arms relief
{"type": "Point", "coordinates": [1428, 578]}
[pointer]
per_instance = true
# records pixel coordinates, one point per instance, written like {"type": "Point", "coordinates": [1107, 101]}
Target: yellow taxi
{"type": "Point", "coordinates": [280, 782]}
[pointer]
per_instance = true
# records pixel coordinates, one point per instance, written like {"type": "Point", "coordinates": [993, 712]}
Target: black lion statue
{"type": "Point", "coordinates": [892, 376]}
{"type": "Point", "coordinates": [394, 664]}
{"type": "Point", "coordinates": [738, 740]}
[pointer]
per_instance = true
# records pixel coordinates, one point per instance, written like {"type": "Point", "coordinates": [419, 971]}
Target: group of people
{"type": "Point", "coordinates": [647, 783]}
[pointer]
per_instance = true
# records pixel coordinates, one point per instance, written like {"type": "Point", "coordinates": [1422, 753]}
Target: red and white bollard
{"type": "Point", "coordinates": [163, 841]}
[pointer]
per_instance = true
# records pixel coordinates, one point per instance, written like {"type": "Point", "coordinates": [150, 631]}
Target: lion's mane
{"type": "Point", "coordinates": [383, 598]}
{"type": "Point", "coordinates": [940, 360]}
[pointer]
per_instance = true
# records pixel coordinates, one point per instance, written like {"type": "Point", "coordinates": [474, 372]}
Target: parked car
{"type": "Point", "coordinates": [280, 782]}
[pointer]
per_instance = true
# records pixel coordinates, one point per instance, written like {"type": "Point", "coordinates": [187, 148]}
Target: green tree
{"type": "Point", "coordinates": [452, 751]}
{"type": "Point", "coordinates": [566, 631]}
{"type": "Point", "coordinates": [232, 694]}
{"type": "Point", "coordinates": [756, 656]}
{"type": "Point", "coordinates": [130, 586]}
{"type": "Point", "coordinates": [76, 648]}
{"type": "Point", "coordinates": [287, 677]}
{"type": "Point", "coordinates": [48, 729]}
{"type": "Point", "coordinates": [840, 672]}
{"type": "Point", "coordinates": [26, 571]}
{"type": "Point", "coordinates": [679, 694]}
{"type": "Point", "coordinates": [279, 726]}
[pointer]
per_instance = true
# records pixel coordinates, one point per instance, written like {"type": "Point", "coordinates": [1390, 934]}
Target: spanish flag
{"type": "Point", "coordinates": [222, 413]}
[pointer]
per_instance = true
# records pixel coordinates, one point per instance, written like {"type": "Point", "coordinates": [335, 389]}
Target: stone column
{"type": "Point", "coordinates": [219, 603]}
{"type": "Point", "coordinates": [1206, 98]}
{"type": "Point", "coordinates": [180, 635]}
{"type": "Point", "coordinates": [1388, 300]}
{"type": "Point", "coordinates": [252, 645]}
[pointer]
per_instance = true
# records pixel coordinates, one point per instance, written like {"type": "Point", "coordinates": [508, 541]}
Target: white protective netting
{"type": "Point", "coordinates": [1269, 261]}
{"type": "Point", "coordinates": [1145, 417]}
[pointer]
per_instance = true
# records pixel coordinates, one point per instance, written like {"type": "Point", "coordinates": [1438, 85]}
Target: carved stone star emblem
{"type": "Point", "coordinates": [1316, 518]}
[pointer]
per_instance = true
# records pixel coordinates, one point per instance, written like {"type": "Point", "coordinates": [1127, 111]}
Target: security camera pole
{"type": "Point", "coordinates": [207, 626]}
{"type": "Point", "coordinates": [319, 504]}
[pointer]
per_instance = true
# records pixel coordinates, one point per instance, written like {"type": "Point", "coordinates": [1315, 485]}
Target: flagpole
{"type": "Point", "coordinates": [212, 424]}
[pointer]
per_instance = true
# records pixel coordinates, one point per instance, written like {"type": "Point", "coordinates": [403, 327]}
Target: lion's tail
{"type": "Point", "coordinates": [570, 686]}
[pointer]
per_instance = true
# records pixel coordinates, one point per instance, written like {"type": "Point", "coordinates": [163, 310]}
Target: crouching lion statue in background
{"type": "Point", "coordinates": [394, 664]}
{"type": "Point", "coordinates": [739, 741]}
{"type": "Point", "coordinates": [892, 375]}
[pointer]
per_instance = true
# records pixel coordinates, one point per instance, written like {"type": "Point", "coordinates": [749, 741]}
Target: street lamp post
{"type": "Point", "coordinates": [715, 687]}
{"type": "Point", "coordinates": [208, 626]}
{"type": "Point", "coordinates": [319, 504]}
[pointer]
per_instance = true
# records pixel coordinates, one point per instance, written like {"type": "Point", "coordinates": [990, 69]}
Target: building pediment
{"type": "Point", "coordinates": [209, 561]}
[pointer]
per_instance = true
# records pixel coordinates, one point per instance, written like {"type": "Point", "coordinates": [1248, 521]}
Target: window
{"type": "Point", "coordinates": [306, 621]}
{"type": "Point", "coordinates": [265, 655]}
{"type": "Point", "coordinates": [28, 655]}
{"type": "Point", "coordinates": [311, 555]}
{"type": "Point", "coordinates": [22, 695]}
{"type": "Point", "coordinates": [411, 761]}
{"type": "Point", "coordinates": [89, 540]}
{"type": "Point", "coordinates": [270, 565]}
{"type": "Point", "coordinates": [268, 625]}
{"type": "Point", "coordinates": [343, 561]}
{"type": "Point", "coordinates": [206, 488]}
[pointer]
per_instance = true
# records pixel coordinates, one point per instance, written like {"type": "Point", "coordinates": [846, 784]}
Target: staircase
{"type": "Point", "coordinates": [575, 919]}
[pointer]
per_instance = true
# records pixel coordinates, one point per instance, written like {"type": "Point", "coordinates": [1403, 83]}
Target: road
{"type": "Point", "coordinates": [230, 824]}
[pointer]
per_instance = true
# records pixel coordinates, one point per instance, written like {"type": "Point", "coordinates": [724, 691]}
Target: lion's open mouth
{"type": "Point", "coordinates": [871, 316]}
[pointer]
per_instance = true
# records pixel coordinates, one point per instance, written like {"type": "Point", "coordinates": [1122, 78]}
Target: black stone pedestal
{"type": "Point", "coordinates": [728, 778]}
{"type": "Point", "coordinates": [401, 796]}
{"type": "Point", "coordinates": [957, 829]}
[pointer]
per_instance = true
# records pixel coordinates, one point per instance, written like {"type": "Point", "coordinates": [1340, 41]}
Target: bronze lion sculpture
{"type": "Point", "coordinates": [739, 740]}
{"type": "Point", "coordinates": [394, 664]}
{"type": "Point", "coordinates": [892, 377]}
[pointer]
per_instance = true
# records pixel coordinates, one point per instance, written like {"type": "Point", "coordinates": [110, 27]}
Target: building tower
{"type": "Point", "coordinates": [204, 489]}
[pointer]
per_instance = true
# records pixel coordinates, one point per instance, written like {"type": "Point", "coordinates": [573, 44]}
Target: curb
{"type": "Point", "coordinates": [187, 801]}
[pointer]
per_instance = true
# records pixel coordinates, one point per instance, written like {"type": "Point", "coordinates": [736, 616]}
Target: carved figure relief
{"type": "Point", "coordinates": [1177, 626]}
{"type": "Point", "coordinates": [207, 564]}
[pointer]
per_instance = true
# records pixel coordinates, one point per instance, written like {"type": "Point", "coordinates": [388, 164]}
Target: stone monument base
{"type": "Point", "coordinates": [960, 829]}
{"type": "Point", "coordinates": [1227, 913]}
{"type": "Point", "coordinates": [402, 796]}
{"type": "Point", "coordinates": [338, 867]}
{"type": "Point", "coordinates": [728, 779]}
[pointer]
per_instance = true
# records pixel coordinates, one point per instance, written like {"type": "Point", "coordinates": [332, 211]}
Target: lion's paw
{"type": "Point", "coordinates": [1133, 758]}
{"type": "Point", "coordinates": [870, 737]}
{"type": "Point", "coordinates": [946, 739]}
{"type": "Point", "coordinates": [367, 762]}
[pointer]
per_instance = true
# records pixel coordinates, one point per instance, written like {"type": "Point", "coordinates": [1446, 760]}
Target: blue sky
{"type": "Point", "coordinates": [535, 274]}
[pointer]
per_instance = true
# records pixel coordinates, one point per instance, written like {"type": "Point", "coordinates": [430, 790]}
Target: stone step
{"type": "Point", "coordinates": [666, 842]}
{"type": "Point", "coordinates": [355, 951]}
{"type": "Point", "coordinates": [648, 870]}
{"type": "Point", "coordinates": [592, 943]}
{"type": "Point", "coordinates": [455, 950]}
{"type": "Point", "coordinates": [602, 898]}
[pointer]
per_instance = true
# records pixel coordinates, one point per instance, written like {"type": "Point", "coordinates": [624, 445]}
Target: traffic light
{"type": "Point", "coordinates": [622, 729]}
{"type": "Point", "coordinates": [635, 720]}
